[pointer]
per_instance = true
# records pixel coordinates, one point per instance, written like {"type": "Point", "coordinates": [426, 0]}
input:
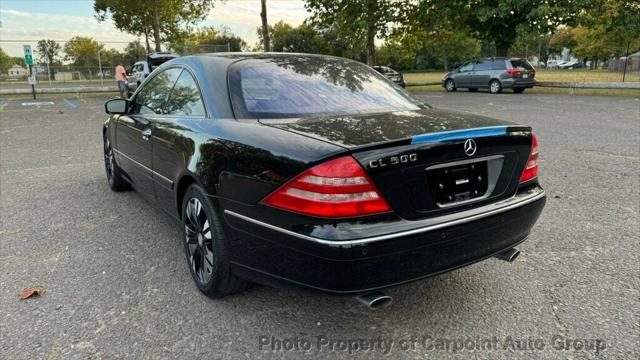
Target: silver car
{"type": "Point", "coordinates": [494, 74]}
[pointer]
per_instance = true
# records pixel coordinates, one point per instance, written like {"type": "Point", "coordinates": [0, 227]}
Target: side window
{"type": "Point", "coordinates": [466, 67]}
{"type": "Point", "coordinates": [152, 98]}
{"type": "Point", "coordinates": [482, 66]}
{"type": "Point", "coordinates": [498, 65]}
{"type": "Point", "coordinates": [185, 97]}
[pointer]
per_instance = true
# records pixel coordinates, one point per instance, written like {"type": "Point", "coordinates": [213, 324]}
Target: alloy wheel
{"type": "Point", "coordinates": [198, 237]}
{"type": "Point", "coordinates": [108, 160]}
{"type": "Point", "coordinates": [450, 85]}
{"type": "Point", "coordinates": [495, 87]}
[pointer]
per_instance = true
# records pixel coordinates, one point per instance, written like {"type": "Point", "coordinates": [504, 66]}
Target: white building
{"type": "Point", "coordinates": [17, 70]}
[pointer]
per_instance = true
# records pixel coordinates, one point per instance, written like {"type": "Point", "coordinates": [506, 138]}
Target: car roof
{"type": "Point", "coordinates": [231, 57]}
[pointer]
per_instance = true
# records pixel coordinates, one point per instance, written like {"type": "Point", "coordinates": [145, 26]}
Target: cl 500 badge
{"type": "Point", "coordinates": [393, 160]}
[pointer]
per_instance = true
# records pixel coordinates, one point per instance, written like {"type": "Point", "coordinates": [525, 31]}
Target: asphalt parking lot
{"type": "Point", "coordinates": [117, 284]}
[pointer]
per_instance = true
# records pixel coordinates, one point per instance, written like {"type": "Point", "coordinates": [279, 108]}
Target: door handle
{"type": "Point", "coordinates": [146, 134]}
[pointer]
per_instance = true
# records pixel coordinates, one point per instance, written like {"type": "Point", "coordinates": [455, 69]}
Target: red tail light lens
{"type": "Point", "coordinates": [531, 169]}
{"type": "Point", "coordinates": [334, 189]}
{"type": "Point", "coordinates": [513, 71]}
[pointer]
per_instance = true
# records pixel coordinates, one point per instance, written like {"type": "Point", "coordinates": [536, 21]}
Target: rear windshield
{"type": "Point", "coordinates": [521, 64]}
{"type": "Point", "coordinates": [291, 87]}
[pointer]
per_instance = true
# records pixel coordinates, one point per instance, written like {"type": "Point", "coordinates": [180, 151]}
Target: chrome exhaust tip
{"type": "Point", "coordinates": [375, 300]}
{"type": "Point", "coordinates": [509, 255]}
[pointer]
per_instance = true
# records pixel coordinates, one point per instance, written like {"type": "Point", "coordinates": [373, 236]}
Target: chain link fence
{"type": "Point", "coordinates": [95, 65]}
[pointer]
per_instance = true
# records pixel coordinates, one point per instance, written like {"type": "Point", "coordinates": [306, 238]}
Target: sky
{"type": "Point", "coordinates": [63, 19]}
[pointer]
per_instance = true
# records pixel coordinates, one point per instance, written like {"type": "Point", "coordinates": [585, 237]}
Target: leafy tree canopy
{"type": "Point", "coordinates": [207, 39]}
{"type": "Point", "coordinates": [355, 21]}
{"type": "Point", "coordinates": [163, 19]}
{"type": "Point", "coordinates": [48, 50]}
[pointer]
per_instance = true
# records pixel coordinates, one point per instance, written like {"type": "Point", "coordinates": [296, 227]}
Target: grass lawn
{"type": "Point", "coordinates": [576, 75]}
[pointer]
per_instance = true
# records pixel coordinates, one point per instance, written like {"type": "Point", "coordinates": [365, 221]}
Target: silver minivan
{"type": "Point", "coordinates": [494, 74]}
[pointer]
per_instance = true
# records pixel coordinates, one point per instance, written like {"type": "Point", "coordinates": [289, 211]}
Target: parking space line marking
{"type": "Point", "coordinates": [37, 103]}
{"type": "Point", "coordinates": [70, 103]}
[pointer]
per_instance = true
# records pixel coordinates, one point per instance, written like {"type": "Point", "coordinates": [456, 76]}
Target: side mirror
{"type": "Point", "coordinates": [116, 106]}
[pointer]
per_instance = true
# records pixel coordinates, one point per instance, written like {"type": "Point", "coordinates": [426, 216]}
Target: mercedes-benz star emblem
{"type": "Point", "coordinates": [470, 147]}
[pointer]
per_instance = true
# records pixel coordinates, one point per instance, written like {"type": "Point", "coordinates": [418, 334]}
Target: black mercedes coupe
{"type": "Point", "coordinates": [317, 171]}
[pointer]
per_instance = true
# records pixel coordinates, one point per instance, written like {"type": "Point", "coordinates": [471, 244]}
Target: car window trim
{"type": "Point", "coordinates": [182, 67]}
{"type": "Point", "coordinates": [195, 80]}
{"type": "Point", "coordinates": [149, 79]}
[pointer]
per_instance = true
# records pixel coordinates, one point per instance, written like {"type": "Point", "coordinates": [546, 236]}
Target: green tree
{"type": "Point", "coordinates": [109, 58]}
{"type": "Point", "coordinates": [5, 62]}
{"type": "Point", "coordinates": [18, 60]}
{"type": "Point", "coordinates": [562, 38]}
{"type": "Point", "coordinates": [303, 39]}
{"type": "Point", "coordinates": [134, 51]}
{"type": "Point", "coordinates": [532, 43]}
{"type": "Point", "coordinates": [423, 49]}
{"type": "Point", "coordinates": [83, 52]}
{"type": "Point", "coordinates": [496, 21]}
{"type": "Point", "coordinates": [619, 22]}
{"type": "Point", "coordinates": [205, 40]}
{"type": "Point", "coordinates": [161, 19]}
{"type": "Point", "coordinates": [275, 32]}
{"type": "Point", "coordinates": [48, 50]}
{"type": "Point", "coordinates": [355, 20]}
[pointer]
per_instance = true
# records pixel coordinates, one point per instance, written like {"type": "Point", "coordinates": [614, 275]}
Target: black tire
{"type": "Point", "coordinates": [114, 173]}
{"type": "Point", "coordinates": [450, 85]}
{"type": "Point", "coordinates": [518, 90]}
{"type": "Point", "coordinates": [495, 87]}
{"type": "Point", "coordinates": [205, 247]}
{"type": "Point", "coordinates": [473, 89]}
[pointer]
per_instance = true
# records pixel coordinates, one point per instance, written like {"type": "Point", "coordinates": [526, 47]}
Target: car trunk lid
{"type": "Point", "coordinates": [429, 161]}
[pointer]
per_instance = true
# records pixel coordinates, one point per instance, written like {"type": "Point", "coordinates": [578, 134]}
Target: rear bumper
{"type": "Point", "coordinates": [271, 255]}
{"type": "Point", "coordinates": [518, 83]}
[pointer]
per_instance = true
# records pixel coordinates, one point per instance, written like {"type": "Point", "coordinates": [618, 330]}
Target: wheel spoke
{"type": "Point", "coordinates": [208, 263]}
{"type": "Point", "coordinates": [190, 214]}
{"type": "Point", "coordinates": [205, 228]}
{"type": "Point", "coordinates": [201, 267]}
{"type": "Point", "coordinates": [193, 249]}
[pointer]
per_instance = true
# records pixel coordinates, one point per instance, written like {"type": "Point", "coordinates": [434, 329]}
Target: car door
{"type": "Point", "coordinates": [481, 74]}
{"type": "Point", "coordinates": [133, 78]}
{"type": "Point", "coordinates": [184, 107]}
{"type": "Point", "coordinates": [134, 130]}
{"type": "Point", "coordinates": [463, 75]}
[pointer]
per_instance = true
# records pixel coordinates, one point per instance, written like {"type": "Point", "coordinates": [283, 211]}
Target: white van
{"type": "Point", "coordinates": [141, 69]}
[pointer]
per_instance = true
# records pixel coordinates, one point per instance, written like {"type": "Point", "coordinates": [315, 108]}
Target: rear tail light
{"type": "Point", "coordinates": [531, 169]}
{"type": "Point", "coordinates": [533, 72]}
{"type": "Point", "coordinates": [513, 72]}
{"type": "Point", "coordinates": [334, 189]}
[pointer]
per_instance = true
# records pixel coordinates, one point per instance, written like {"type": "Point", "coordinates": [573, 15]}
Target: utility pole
{"type": "Point", "coordinates": [626, 60]}
{"type": "Point", "coordinates": [46, 50]}
{"type": "Point", "coordinates": [100, 67]}
{"type": "Point", "coordinates": [539, 52]}
{"type": "Point", "coordinates": [265, 26]}
{"type": "Point", "coordinates": [32, 79]}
